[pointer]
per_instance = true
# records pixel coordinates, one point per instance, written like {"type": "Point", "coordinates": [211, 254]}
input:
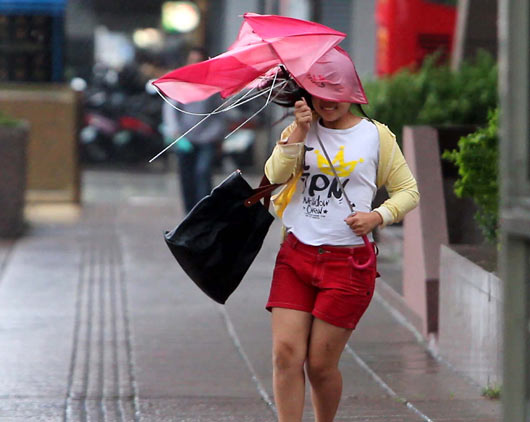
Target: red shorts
{"type": "Point", "coordinates": [322, 281]}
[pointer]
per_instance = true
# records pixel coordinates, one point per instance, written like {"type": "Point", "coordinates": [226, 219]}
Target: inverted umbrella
{"type": "Point", "coordinates": [333, 77]}
{"type": "Point", "coordinates": [306, 50]}
{"type": "Point", "coordinates": [264, 42]}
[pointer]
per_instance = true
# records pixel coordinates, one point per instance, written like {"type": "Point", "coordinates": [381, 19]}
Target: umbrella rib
{"type": "Point", "coordinates": [237, 103]}
{"type": "Point", "coordinates": [204, 114]}
{"type": "Point", "coordinates": [211, 113]}
{"type": "Point", "coordinates": [185, 133]}
{"type": "Point", "coordinates": [265, 105]}
{"type": "Point", "coordinates": [218, 110]}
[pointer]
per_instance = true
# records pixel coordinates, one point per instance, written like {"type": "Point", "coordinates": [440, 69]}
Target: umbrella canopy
{"type": "Point", "coordinates": [264, 41]}
{"type": "Point", "coordinates": [333, 77]}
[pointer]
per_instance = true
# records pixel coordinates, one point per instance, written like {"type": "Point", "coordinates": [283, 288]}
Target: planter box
{"type": "Point", "coordinates": [441, 218]}
{"type": "Point", "coordinates": [460, 212]}
{"type": "Point", "coordinates": [470, 336]}
{"type": "Point", "coordinates": [52, 110]}
{"type": "Point", "coordinates": [13, 144]}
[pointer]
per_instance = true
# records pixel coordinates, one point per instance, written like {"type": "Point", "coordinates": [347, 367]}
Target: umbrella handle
{"type": "Point", "coordinates": [371, 258]}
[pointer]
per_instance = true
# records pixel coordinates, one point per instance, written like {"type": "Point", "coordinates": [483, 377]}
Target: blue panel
{"type": "Point", "coordinates": [57, 49]}
{"type": "Point", "coordinates": [31, 7]}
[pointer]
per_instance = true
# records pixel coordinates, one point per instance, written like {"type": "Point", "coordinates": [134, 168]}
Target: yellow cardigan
{"type": "Point", "coordinates": [286, 162]}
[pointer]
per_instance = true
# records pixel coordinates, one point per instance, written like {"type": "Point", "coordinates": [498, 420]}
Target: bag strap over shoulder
{"type": "Point", "coordinates": [263, 191]}
{"type": "Point", "coordinates": [371, 258]}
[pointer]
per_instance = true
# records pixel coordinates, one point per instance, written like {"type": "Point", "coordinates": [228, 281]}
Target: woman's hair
{"type": "Point", "coordinates": [360, 109]}
{"type": "Point", "coordinates": [287, 92]}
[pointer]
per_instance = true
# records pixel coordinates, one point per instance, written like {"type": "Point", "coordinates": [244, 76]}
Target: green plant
{"type": "Point", "coordinates": [477, 161]}
{"type": "Point", "coordinates": [7, 121]}
{"type": "Point", "coordinates": [492, 392]}
{"type": "Point", "coordinates": [435, 95]}
{"type": "Point", "coordinates": [464, 96]}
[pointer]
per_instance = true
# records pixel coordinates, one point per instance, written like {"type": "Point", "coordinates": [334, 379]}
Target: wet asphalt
{"type": "Point", "coordinates": [99, 323]}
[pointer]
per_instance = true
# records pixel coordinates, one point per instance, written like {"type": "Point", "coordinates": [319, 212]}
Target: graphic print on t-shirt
{"type": "Point", "coordinates": [316, 211]}
{"type": "Point", "coordinates": [321, 187]}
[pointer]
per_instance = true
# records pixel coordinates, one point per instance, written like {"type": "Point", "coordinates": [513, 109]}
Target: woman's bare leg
{"type": "Point", "coordinates": [326, 345]}
{"type": "Point", "coordinates": [290, 334]}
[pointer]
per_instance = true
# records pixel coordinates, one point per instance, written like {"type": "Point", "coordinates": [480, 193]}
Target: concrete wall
{"type": "Point", "coordinates": [299, 9]}
{"type": "Point", "coordinates": [425, 228]}
{"type": "Point", "coordinates": [440, 219]}
{"type": "Point", "coordinates": [470, 335]}
{"type": "Point", "coordinates": [13, 142]}
{"type": "Point", "coordinates": [476, 28]}
{"type": "Point", "coordinates": [362, 37]}
{"type": "Point", "coordinates": [337, 14]}
{"type": "Point", "coordinates": [232, 18]}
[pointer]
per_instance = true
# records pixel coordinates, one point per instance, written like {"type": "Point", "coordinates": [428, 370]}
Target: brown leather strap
{"type": "Point", "coordinates": [263, 191]}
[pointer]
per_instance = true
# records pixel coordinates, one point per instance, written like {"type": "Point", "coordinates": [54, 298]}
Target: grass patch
{"type": "Point", "coordinates": [8, 121]}
{"type": "Point", "coordinates": [492, 392]}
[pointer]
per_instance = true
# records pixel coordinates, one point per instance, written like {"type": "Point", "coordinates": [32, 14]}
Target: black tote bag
{"type": "Point", "coordinates": [219, 239]}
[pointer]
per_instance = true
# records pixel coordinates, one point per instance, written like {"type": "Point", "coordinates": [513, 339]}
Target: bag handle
{"type": "Point", "coordinates": [263, 191]}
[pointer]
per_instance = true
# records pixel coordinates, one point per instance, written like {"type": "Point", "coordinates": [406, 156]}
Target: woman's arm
{"type": "Point", "coordinates": [283, 162]}
{"type": "Point", "coordinates": [402, 190]}
{"type": "Point", "coordinates": [288, 153]}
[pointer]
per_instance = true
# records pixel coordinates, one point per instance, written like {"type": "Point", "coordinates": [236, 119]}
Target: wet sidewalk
{"type": "Point", "coordinates": [99, 323]}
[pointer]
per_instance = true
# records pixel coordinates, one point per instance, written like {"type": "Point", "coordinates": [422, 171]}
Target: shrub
{"type": "Point", "coordinates": [435, 95]}
{"type": "Point", "coordinates": [5, 120]}
{"type": "Point", "coordinates": [477, 161]}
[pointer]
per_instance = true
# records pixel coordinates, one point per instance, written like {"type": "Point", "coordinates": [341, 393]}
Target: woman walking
{"type": "Point", "coordinates": [318, 292]}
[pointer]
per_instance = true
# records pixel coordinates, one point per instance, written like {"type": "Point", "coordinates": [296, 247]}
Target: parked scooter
{"type": "Point", "coordinates": [121, 119]}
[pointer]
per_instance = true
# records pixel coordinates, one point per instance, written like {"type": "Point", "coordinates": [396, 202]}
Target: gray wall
{"type": "Point", "coordinates": [337, 14]}
{"type": "Point", "coordinates": [232, 20]}
{"type": "Point", "coordinates": [470, 330]}
{"type": "Point", "coordinates": [79, 29]}
{"type": "Point", "coordinates": [354, 17]}
{"type": "Point", "coordinates": [357, 19]}
{"type": "Point", "coordinates": [476, 29]}
{"type": "Point", "coordinates": [362, 37]}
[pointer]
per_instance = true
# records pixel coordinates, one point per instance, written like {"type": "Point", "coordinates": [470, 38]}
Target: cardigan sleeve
{"type": "Point", "coordinates": [401, 187]}
{"type": "Point", "coordinates": [283, 162]}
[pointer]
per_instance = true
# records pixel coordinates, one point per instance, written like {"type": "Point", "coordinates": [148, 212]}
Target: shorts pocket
{"type": "Point", "coordinates": [363, 279]}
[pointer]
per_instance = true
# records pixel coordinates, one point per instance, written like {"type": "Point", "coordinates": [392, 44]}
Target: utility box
{"type": "Point", "coordinates": [32, 40]}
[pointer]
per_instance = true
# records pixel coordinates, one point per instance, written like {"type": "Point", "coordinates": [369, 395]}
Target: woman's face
{"type": "Point", "coordinates": [331, 112]}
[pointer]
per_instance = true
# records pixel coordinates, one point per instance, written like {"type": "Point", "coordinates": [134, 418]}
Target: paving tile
{"type": "Point", "coordinates": [98, 322]}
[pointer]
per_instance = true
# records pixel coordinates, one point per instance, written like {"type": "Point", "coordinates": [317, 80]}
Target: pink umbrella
{"type": "Point", "coordinates": [264, 41]}
{"type": "Point", "coordinates": [333, 77]}
{"type": "Point", "coordinates": [305, 49]}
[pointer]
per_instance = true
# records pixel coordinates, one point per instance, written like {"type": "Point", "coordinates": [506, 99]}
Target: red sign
{"type": "Point", "coordinates": [409, 30]}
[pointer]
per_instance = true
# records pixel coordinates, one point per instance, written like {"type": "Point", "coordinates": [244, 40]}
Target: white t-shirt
{"type": "Point", "coordinates": [317, 210]}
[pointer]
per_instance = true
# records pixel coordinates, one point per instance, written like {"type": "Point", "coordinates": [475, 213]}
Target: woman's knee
{"type": "Point", "coordinates": [287, 356]}
{"type": "Point", "coordinates": [319, 369]}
